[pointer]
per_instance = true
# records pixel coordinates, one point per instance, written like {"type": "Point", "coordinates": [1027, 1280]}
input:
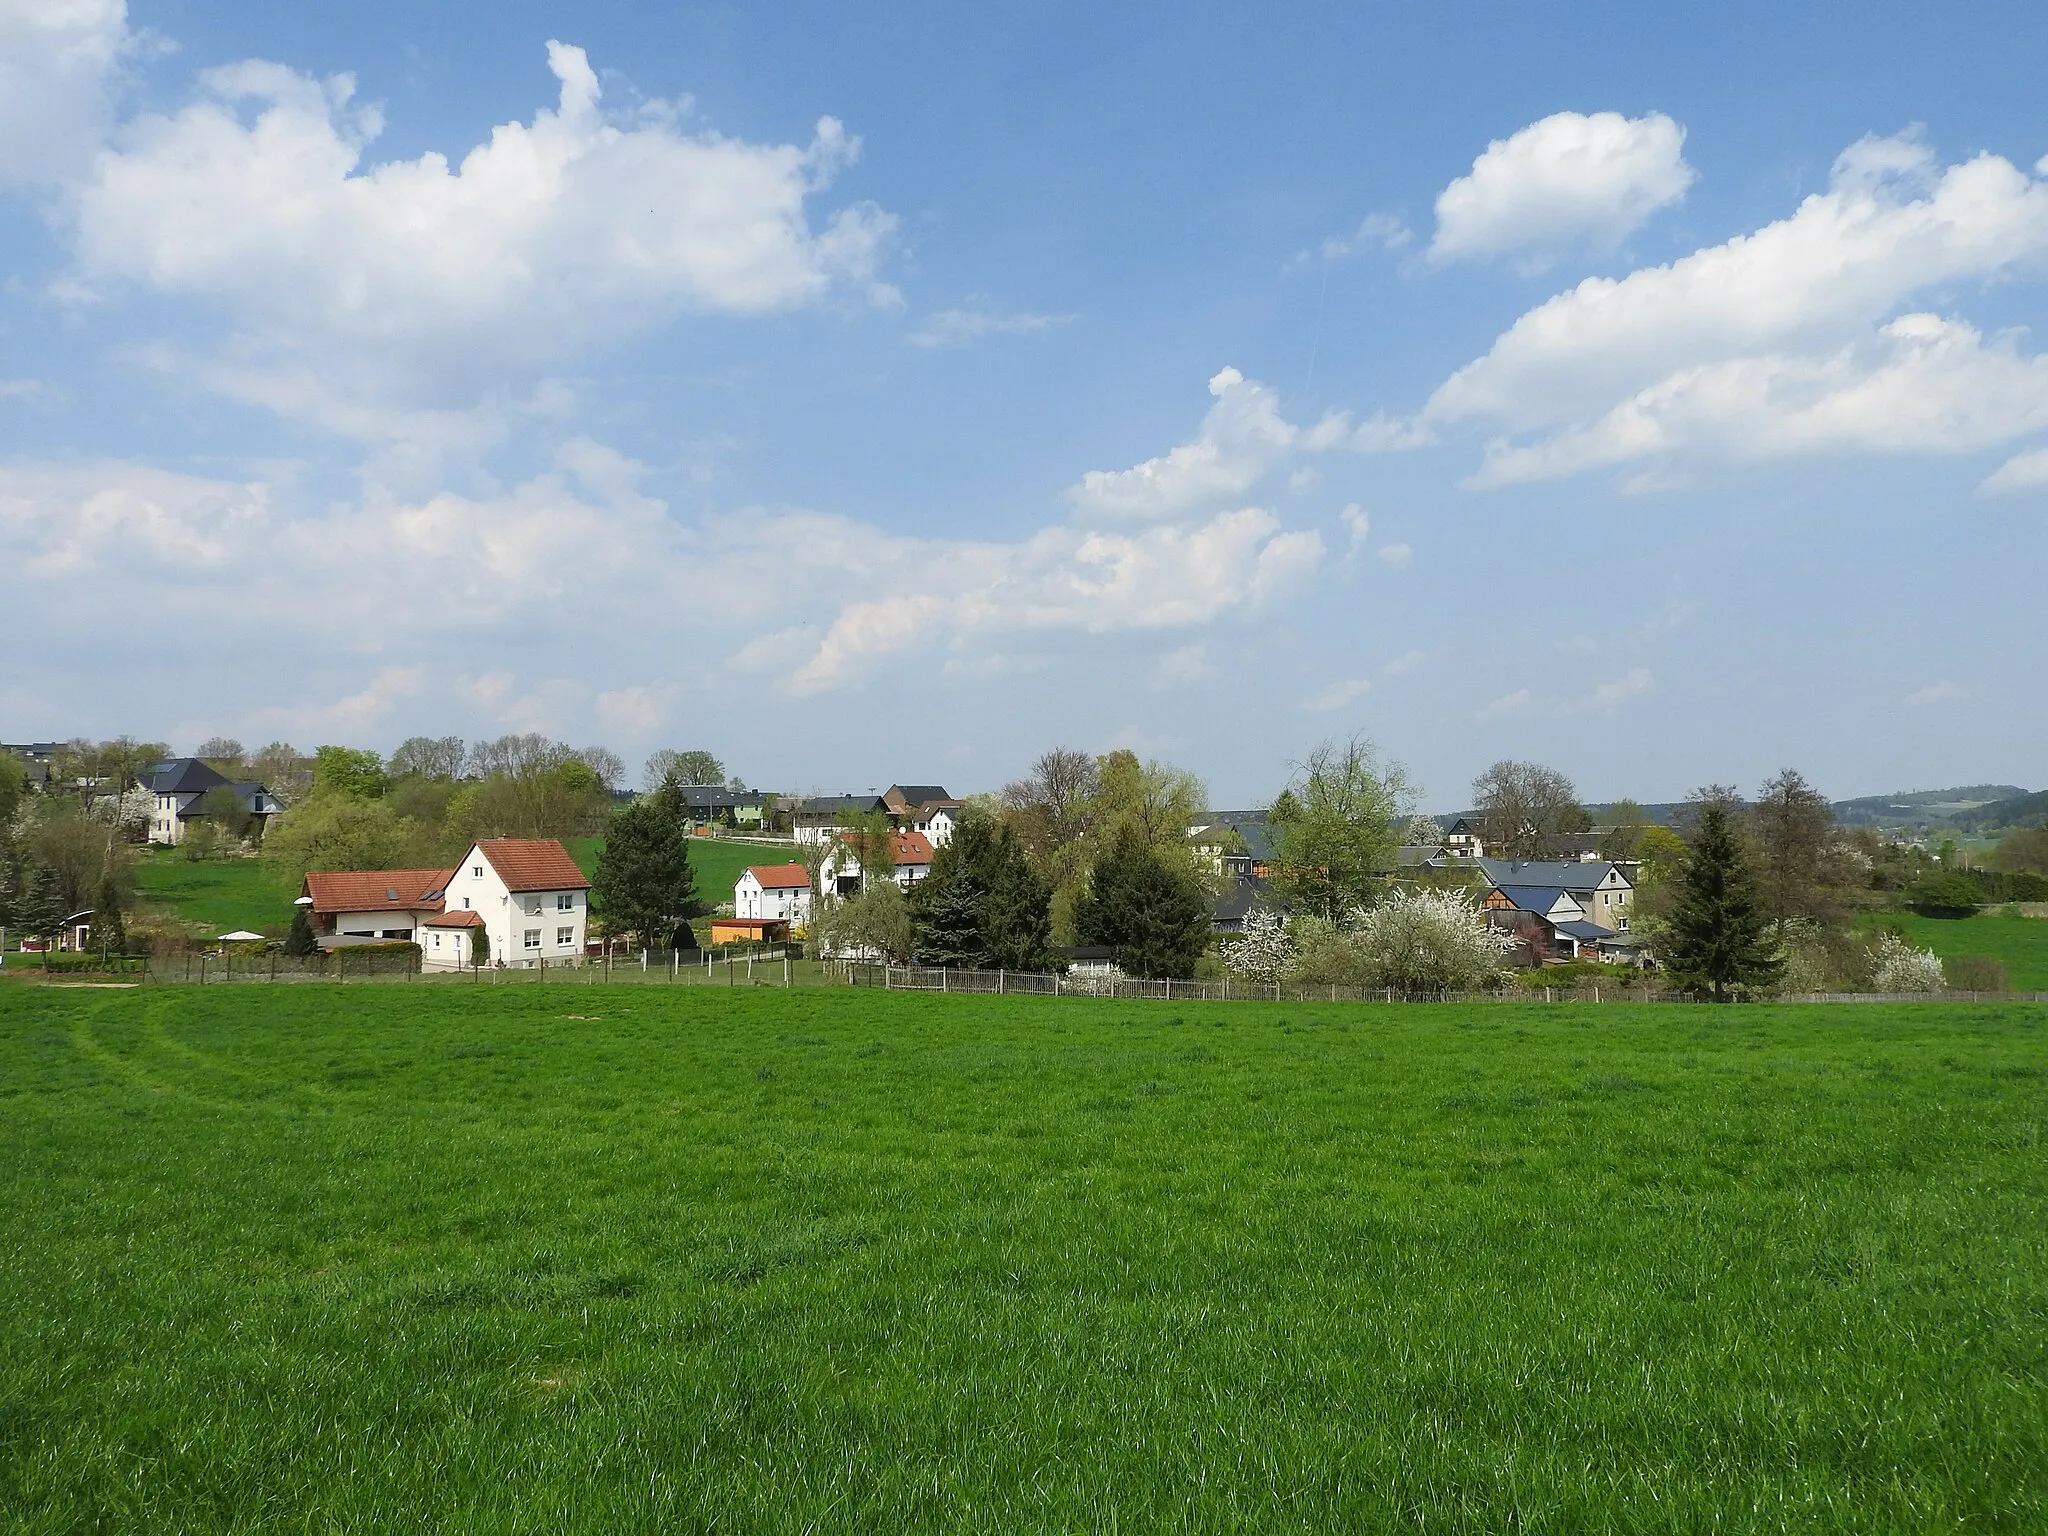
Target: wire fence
{"type": "Point", "coordinates": [776, 965]}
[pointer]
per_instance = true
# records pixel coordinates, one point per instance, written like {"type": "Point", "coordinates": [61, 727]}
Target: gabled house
{"type": "Point", "coordinates": [780, 891]}
{"type": "Point", "coordinates": [815, 818]}
{"type": "Point", "coordinates": [526, 894]}
{"type": "Point", "coordinates": [1466, 835]}
{"type": "Point", "coordinates": [1602, 891]}
{"type": "Point", "coordinates": [178, 788]}
{"type": "Point", "coordinates": [715, 805]}
{"type": "Point", "coordinates": [1238, 843]}
{"type": "Point", "coordinates": [840, 875]}
{"type": "Point", "coordinates": [922, 808]}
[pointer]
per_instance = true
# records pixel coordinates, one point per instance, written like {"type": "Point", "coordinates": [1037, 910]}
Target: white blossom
{"type": "Point", "coordinates": [1265, 950]}
{"type": "Point", "coordinates": [1902, 968]}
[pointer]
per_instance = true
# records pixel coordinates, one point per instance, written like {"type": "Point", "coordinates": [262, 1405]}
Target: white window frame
{"type": "Point", "coordinates": [565, 901]}
{"type": "Point", "coordinates": [532, 938]}
{"type": "Point", "coordinates": [564, 936]}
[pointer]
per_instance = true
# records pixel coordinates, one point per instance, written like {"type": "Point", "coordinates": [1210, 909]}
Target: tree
{"type": "Point", "coordinates": [349, 771]}
{"type": "Point", "coordinates": [983, 906]}
{"type": "Point", "coordinates": [1897, 966]}
{"type": "Point", "coordinates": [224, 811]}
{"type": "Point", "coordinates": [42, 908]}
{"type": "Point", "coordinates": [564, 799]}
{"type": "Point", "coordinates": [1945, 893]}
{"type": "Point", "coordinates": [692, 767]}
{"type": "Point", "coordinates": [875, 922]}
{"type": "Point", "coordinates": [1148, 908]}
{"type": "Point", "coordinates": [1430, 941]}
{"type": "Point", "coordinates": [301, 943]}
{"type": "Point", "coordinates": [643, 883]}
{"type": "Point", "coordinates": [427, 757]}
{"type": "Point", "coordinates": [338, 832]}
{"type": "Point", "coordinates": [1798, 862]}
{"type": "Point", "coordinates": [1155, 800]}
{"type": "Point", "coordinates": [108, 931]}
{"type": "Point", "coordinates": [73, 851]}
{"type": "Point", "coordinates": [1264, 952]}
{"type": "Point", "coordinates": [1333, 829]}
{"type": "Point", "coordinates": [1527, 809]}
{"type": "Point", "coordinates": [1626, 823]}
{"type": "Point", "coordinates": [869, 837]}
{"type": "Point", "coordinates": [606, 764]}
{"type": "Point", "coordinates": [223, 754]}
{"type": "Point", "coordinates": [2023, 852]}
{"type": "Point", "coordinates": [13, 787]}
{"type": "Point", "coordinates": [479, 946]}
{"type": "Point", "coordinates": [1718, 938]}
{"type": "Point", "coordinates": [281, 769]}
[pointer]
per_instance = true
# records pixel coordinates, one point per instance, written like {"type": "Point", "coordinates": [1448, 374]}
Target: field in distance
{"type": "Point", "coordinates": [570, 1259]}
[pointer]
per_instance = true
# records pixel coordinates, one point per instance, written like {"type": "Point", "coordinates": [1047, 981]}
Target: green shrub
{"type": "Point", "coordinates": [1945, 893]}
{"type": "Point", "coordinates": [1976, 973]}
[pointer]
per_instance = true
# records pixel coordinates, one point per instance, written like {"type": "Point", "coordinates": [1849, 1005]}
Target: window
{"type": "Point", "coordinates": [437, 941]}
{"type": "Point", "coordinates": [533, 938]}
{"type": "Point", "coordinates": [533, 906]}
{"type": "Point", "coordinates": [565, 935]}
{"type": "Point", "coordinates": [465, 903]}
{"type": "Point", "coordinates": [566, 902]}
{"type": "Point", "coordinates": [477, 870]}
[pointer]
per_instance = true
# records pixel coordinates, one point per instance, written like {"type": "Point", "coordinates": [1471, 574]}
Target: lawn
{"type": "Point", "coordinates": [562, 1259]}
{"type": "Point", "coordinates": [2020, 942]}
{"type": "Point", "coordinates": [718, 864]}
{"type": "Point", "coordinates": [218, 895]}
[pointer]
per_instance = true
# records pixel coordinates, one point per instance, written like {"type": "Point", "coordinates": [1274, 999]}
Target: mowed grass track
{"type": "Point", "coordinates": [401, 1259]}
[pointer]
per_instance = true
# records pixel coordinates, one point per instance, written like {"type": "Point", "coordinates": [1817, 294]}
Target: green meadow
{"type": "Point", "coordinates": [215, 895]}
{"type": "Point", "coordinates": [718, 864]}
{"type": "Point", "coordinates": [2021, 943]}
{"type": "Point", "coordinates": [564, 1258]}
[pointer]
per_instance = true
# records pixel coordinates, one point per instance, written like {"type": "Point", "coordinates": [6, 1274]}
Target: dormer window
{"type": "Point", "coordinates": [391, 893]}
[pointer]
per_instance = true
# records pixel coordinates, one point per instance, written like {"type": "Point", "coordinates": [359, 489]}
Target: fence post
{"type": "Point", "coordinates": [999, 981]}
{"type": "Point", "coordinates": [643, 959]}
{"type": "Point", "coordinates": [943, 986]}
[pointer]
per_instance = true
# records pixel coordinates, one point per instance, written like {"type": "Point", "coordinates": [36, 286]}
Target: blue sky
{"type": "Point", "coordinates": [1648, 392]}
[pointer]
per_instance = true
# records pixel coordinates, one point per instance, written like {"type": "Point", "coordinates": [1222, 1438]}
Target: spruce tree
{"type": "Point", "coordinates": [110, 934]}
{"type": "Point", "coordinates": [41, 908]}
{"type": "Point", "coordinates": [1017, 909]}
{"type": "Point", "coordinates": [1153, 916]}
{"type": "Point", "coordinates": [948, 902]}
{"type": "Point", "coordinates": [479, 946]}
{"type": "Point", "coordinates": [301, 943]}
{"type": "Point", "coordinates": [643, 883]}
{"type": "Point", "coordinates": [1719, 940]}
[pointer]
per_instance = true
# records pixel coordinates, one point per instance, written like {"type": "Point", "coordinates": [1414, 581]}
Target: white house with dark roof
{"type": "Point", "coordinates": [178, 788]}
{"type": "Point", "coordinates": [922, 808]}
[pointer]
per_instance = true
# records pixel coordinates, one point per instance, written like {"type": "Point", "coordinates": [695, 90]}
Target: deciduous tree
{"type": "Point", "coordinates": [349, 771]}
{"type": "Point", "coordinates": [695, 766]}
{"type": "Point", "coordinates": [1334, 829]}
{"type": "Point", "coordinates": [428, 757]}
{"type": "Point", "coordinates": [1527, 810]}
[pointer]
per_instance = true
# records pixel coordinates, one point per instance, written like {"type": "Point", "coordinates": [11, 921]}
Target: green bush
{"type": "Point", "coordinates": [1945, 893]}
{"type": "Point", "coordinates": [1976, 973]}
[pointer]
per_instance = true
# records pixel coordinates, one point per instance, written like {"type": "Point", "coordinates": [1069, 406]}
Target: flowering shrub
{"type": "Point", "coordinates": [1264, 952]}
{"type": "Point", "coordinates": [1899, 967]}
{"type": "Point", "coordinates": [1422, 940]}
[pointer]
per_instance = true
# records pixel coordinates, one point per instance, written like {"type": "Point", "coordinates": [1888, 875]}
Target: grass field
{"type": "Point", "coordinates": [218, 895]}
{"type": "Point", "coordinates": [398, 1259]}
{"type": "Point", "coordinates": [718, 864]}
{"type": "Point", "coordinates": [2020, 942]}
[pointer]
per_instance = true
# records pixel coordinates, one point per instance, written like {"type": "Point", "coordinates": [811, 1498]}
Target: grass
{"type": "Point", "coordinates": [718, 864]}
{"type": "Point", "coordinates": [2020, 942]}
{"type": "Point", "coordinates": [555, 1259]}
{"type": "Point", "coordinates": [218, 895]}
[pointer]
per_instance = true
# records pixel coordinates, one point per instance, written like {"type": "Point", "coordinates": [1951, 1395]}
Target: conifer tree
{"type": "Point", "coordinates": [1153, 915]}
{"type": "Point", "coordinates": [40, 910]}
{"type": "Point", "coordinates": [109, 933]}
{"type": "Point", "coordinates": [982, 907]}
{"type": "Point", "coordinates": [301, 943]}
{"type": "Point", "coordinates": [1719, 940]}
{"type": "Point", "coordinates": [643, 882]}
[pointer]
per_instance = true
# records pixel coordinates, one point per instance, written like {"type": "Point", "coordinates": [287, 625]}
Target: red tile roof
{"type": "Point", "coordinates": [534, 864]}
{"type": "Point", "coordinates": [463, 919]}
{"type": "Point", "coordinates": [780, 877]}
{"type": "Point", "coordinates": [912, 848]}
{"type": "Point", "coordinates": [369, 890]}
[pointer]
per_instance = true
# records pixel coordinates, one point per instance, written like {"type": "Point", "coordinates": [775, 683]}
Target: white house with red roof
{"type": "Point", "coordinates": [841, 875]}
{"type": "Point", "coordinates": [773, 891]}
{"type": "Point", "coordinates": [526, 894]}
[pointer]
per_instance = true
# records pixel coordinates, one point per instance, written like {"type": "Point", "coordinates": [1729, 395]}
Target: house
{"type": "Point", "coordinates": [815, 818]}
{"type": "Point", "coordinates": [715, 805]}
{"type": "Point", "coordinates": [526, 895]}
{"type": "Point", "coordinates": [36, 757]}
{"type": "Point", "coordinates": [1235, 905]}
{"type": "Point", "coordinates": [179, 787]}
{"type": "Point", "coordinates": [533, 900]}
{"type": "Point", "coordinates": [1466, 835]}
{"type": "Point", "coordinates": [781, 891]}
{"type": "Point", "coordinates": [840, 875]}
{"type": "Point", "coordinates": [1602, 891]}
{"type": "Point", "coordinates": [372, 906]}
{"type": "Point", "coordinates": [1238, 843]}
{"type": "Point", "coordinates": [922, 808]}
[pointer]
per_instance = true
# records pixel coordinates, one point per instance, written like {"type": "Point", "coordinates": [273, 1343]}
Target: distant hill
{"type": "Point", "coordinates": [1923, 808]}
{"type": "Point", "coordinates": [2021, 810]}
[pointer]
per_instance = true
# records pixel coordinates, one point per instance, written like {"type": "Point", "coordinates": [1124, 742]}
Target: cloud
{"type": "Point", "coordinates": [57, 59]}
{"type": "Point", "coordinates": [1938, 693]}
{"type": "Point", "coordinates": [1242, 437]}
{"type": "Point", "coordinates": [1610, 696]}
{"type": "Point", "coordinates": [2022, 472]}
{"type": "Point", "coordinates": [356, 292]}
{"type": "Point", "coordinates": [1506, 704]}
{"type": "Point", "coordinates": [1338, 694]}
{"type": "Point", "coordinates": [1396, 554]}
{"type": "Point", "coordinates": [962, 327]}
{"type": "Point", "coordinates": [1570, 179]}
{"type": "Point", "coordinates": [1376, 232]}
{"type": "Point", "coordinates": [1407, 661]}
{"type": "Point", "coordinates": [1188, 664]}
{"type": "Point", "coordinates": [1786, 341]}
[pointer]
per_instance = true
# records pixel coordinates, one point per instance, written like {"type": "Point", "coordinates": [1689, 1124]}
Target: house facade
{"type": "Point", "coordinates": [526, 895]}
{"type": "Point", "coordinates": [815, 819]}
{"type": "Point", "coordinates": [922, 808]}
{"type": "Point", "coordinates": [774, 891]}
{"type": "Point", "coordinates": [1598, 885]}
{"type": "Point", "coordinates": [178, 788]}
{"type": "Point", "coordinates": [840, 874]}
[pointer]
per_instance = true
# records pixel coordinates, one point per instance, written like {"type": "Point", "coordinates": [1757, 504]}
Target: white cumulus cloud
{"type": "Point", "coordinates": [1570, 179]}
{"type": "Point", "coordinates": [354, 289]}
{"type": "Point", "coordinates": [57, 58]}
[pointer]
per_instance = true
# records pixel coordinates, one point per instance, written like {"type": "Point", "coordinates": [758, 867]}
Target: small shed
{"type": "Point", "coordinates": [749, 930]}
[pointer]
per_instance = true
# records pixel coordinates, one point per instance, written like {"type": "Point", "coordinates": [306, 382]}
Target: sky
{"type": "Point", "coordinates": [890, 394]}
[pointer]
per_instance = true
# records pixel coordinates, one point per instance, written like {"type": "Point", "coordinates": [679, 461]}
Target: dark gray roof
{"type": "Point", "coordinates": [1589, 932]}
{"type": "Point", "coordinates": [1249, 825]}
{"type": "Point", "coordinates": [920, 794]}
{"type": "Point", "coordinates": [184, 776]}
{"type": "Point", "coordinates": [1534, 898]}
{"type": "Point", "coordinates": [717, 796]}
{"type": "Point", "coordinates": [1573, 875]}
{"type": "Point", "coordinates": [832, 805]}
